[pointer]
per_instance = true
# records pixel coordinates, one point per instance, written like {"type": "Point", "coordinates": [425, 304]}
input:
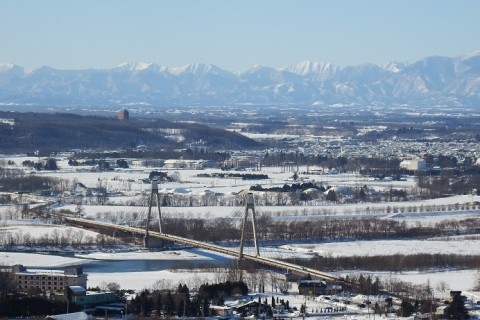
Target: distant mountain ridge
{"type": "Point", "coordinates": [430, 81]}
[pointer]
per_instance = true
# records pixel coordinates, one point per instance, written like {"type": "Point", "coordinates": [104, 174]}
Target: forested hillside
{"type": "Point", "coordinates": [29, 132]}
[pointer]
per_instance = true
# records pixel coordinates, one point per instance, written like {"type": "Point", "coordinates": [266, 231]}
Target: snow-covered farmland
{"type": "Point", "coordinates": [129, 191]}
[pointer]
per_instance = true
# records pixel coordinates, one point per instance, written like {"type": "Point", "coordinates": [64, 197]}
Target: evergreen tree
{"type": "Point", "coordinates": [302, 309]}
{"type": "Point", "coordinates": [331, 196]}
{"type": "Point", "coordinates": [180, 308]}
{"type": "Point", "coordinates": [169, 305]}
{"type": "Point", "coordinates": [406, 308]}
{"type": "Point", "coordinates": [51, 164]}
{"type": "Point", "coordinates": [158, 304]}
{"type": "Point", "coordinates": [457, 310]}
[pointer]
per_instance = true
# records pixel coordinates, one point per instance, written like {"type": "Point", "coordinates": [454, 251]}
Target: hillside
{"type": "Point", "coordinates": [29, 132]}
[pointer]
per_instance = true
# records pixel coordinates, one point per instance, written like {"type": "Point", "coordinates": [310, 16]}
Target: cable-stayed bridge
{"type": "Point", "coordinates": [154, 238]}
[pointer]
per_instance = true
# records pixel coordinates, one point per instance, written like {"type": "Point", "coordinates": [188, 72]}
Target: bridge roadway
{"type": "Point", "coordinates": [299, 270]}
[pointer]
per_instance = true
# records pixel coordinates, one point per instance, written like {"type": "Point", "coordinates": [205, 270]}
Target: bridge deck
{"type": "Point", "coordinates": [300, 270]}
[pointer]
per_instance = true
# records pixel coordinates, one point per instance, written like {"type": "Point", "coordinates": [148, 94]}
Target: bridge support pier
{"type": "Point", "coordinates": [152, 243]}
{"type": "Point", "coordinates": [247, 265]}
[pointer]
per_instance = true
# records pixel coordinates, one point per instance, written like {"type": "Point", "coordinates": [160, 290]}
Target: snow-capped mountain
{"type": "Point", "coordinates": [433, 80]}
{"type": "Point", "coordinates": [316, 70]}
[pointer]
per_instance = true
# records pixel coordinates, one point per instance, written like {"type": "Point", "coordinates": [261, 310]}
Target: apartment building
{"type": "Point", "coordinates": [48, 281]}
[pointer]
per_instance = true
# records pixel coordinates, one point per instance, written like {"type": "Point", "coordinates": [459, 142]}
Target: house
{"type": "Point", "coordinates": [311, 287]}
{"type": "Point", "coordinates": [81, 189]}
{"type": "Point", "coordinates": [249, 307]}
{"type": "Point", "coordinates": [333, 287]}
{"type": "Point", "coordinates": [318, 287]}
{"type": "Point", "coordinates": [221, 311]}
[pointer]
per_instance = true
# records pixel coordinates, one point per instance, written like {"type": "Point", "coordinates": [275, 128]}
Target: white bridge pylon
{"type": "Point", "coordinates": [249, 205]}
{"type": "Point", "coordinates": [150, 242]}
{"type": "Point", "coordinates": [153, 193]}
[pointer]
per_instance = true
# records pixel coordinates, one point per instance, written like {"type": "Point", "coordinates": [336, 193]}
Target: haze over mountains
{"type": "Point", "coordinates": [431, 81]}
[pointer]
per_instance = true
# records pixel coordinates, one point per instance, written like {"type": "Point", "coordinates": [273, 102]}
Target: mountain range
{"type": "Point", "coordinates": [432, 81]}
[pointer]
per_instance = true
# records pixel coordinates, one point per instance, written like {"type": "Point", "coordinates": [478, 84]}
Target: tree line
{"type": "Point", "coordinates": [227, 229]}
{"type": "Point", "coordinates": [181, 302]}
{"type": "Point", "coordinates": [57, 238]}
{"type": "Point", "coordinates": [392, 263]}
{"type": "Point", "coordinates": [428, 186]}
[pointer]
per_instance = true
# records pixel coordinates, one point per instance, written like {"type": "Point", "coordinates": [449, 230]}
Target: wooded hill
{"type": "Point", "coordinates": [29, 132]}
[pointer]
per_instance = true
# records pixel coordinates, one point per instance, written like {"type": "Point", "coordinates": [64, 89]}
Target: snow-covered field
{"type": "Point", "coordinates": [129, 183]}
{"type": "Point", "coordinates": [445, 245]}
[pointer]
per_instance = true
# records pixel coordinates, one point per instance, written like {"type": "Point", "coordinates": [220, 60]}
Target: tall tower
{"type": "Point", "coordinates": [123, 115]}
{"type": "Point", "coordinates": [249, 205]}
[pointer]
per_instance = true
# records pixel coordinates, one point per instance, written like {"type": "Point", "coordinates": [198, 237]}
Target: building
{"type": "Point", "coordinates": [311, 287]}
{"type": "Point", "coordinates": [247, 307]}
{"type": "Point", "coordinates": [89, 299]}
{"type": "Point", "coordinates": [48, 281]}
{"type": "Point", "coordinates": [318, 287]}
{"type": "Point", "coordinates": [123, 115]}
{"type": "Point", "coordinates": [242, 162]}
{"type": "Point", "coordinates": [189, 164]}
{"type": "Point", "coordinates": [221, 311]}
{"type": "Point", "coordinates": [414, 164]}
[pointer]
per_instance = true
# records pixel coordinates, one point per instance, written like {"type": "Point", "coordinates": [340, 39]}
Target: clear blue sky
{"type": "Point", "coordinates": [233, 34]}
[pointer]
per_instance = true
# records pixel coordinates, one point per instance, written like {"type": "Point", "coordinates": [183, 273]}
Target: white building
{"type": "Point", "coordinates": [417, 164]}
{"type": "Point", "coordinates": [189, 164]}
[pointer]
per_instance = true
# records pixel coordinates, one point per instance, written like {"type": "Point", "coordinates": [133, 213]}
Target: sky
{"type": "Point", "coordinates": [234, 35]}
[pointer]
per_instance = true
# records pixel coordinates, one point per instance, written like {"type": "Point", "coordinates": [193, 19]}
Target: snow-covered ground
{"type": "Point", "coordinates": [193, 277]}
{"type": "Point", "coordinates": [443, 245]}
{"type": "Point", "coordinates": [139, 279]}
{"type": "Point", "coordinates": [130, 183]}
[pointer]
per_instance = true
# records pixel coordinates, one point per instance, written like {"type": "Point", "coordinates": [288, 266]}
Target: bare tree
{"type": "Point", "coordinates": [235, 274]}
{"type": "Point", "coordinates": [113, 286]}
{"type": "Point", "coordinates": [79, 208]}
{"type": "Point", "coordinates": [273, 281]}
{"type": "Point", "coordinates": [476, 281]}
{"type": "Point", "coordinates": [163, 284]}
